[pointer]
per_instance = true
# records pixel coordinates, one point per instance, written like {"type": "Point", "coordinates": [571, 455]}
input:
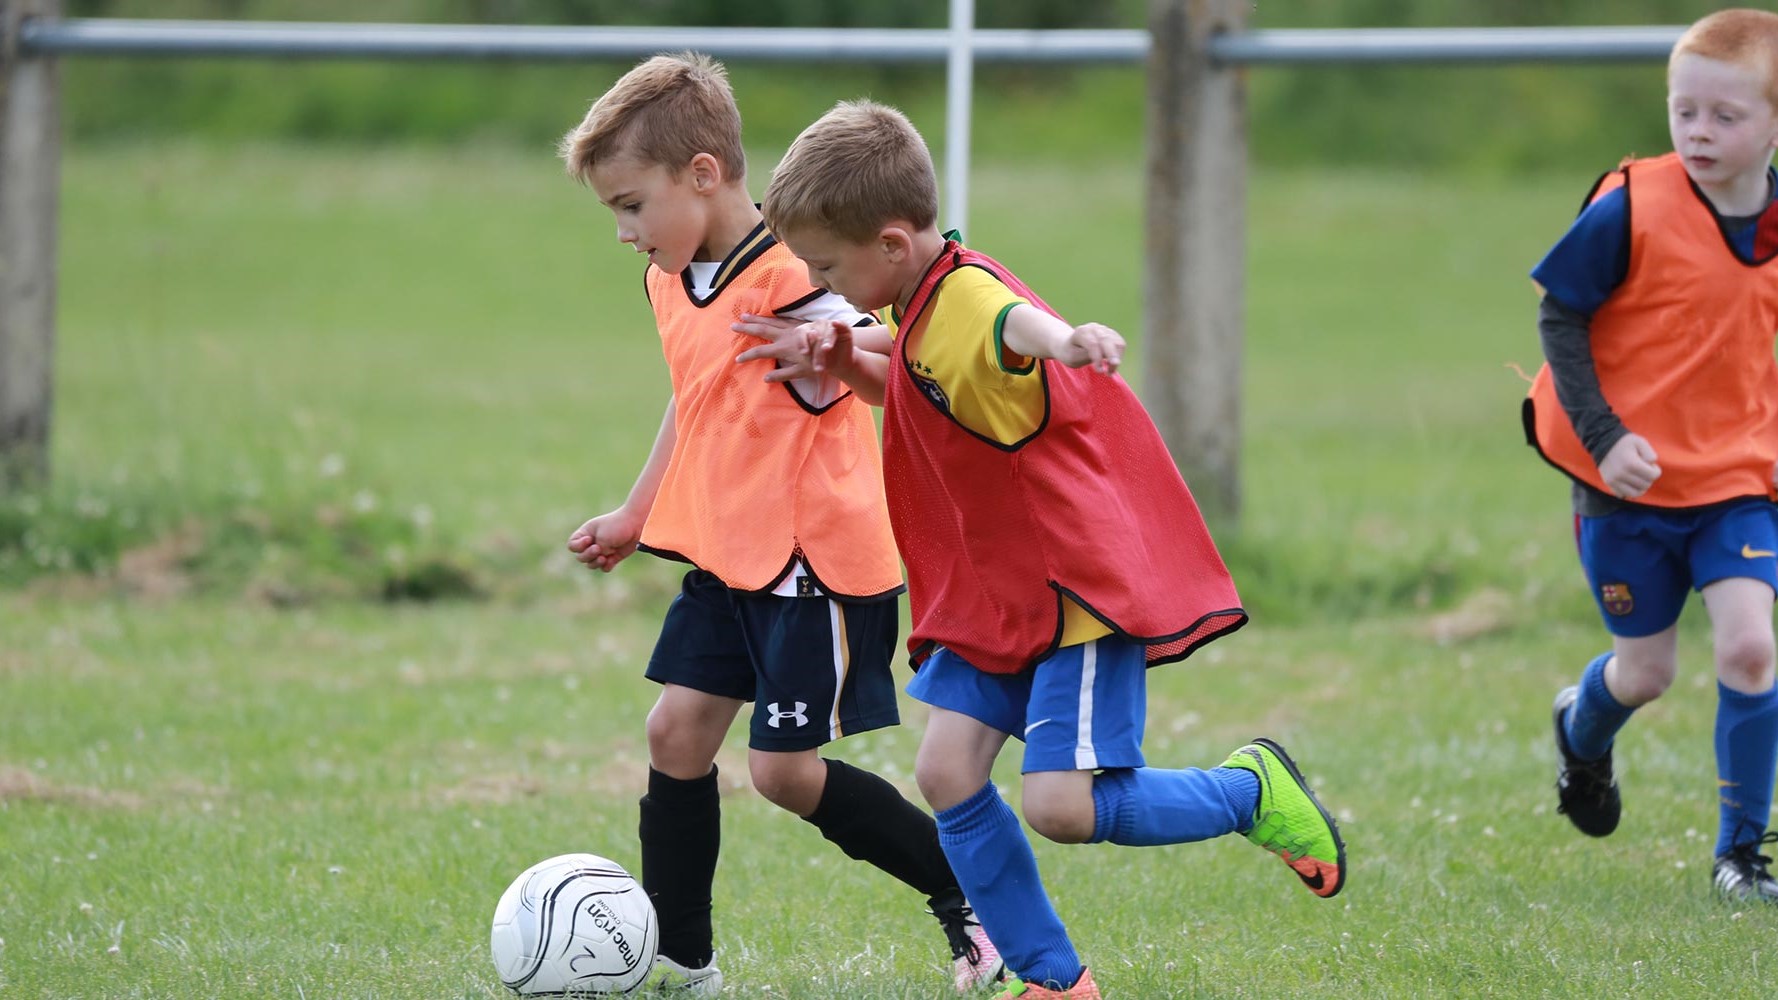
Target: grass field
{"type": "Point", "coordinates": [227, 770]}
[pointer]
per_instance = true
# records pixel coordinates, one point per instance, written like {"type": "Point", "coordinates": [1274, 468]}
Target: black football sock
{"type": "Point", "coordinates": [681, 832]}
{"type": "Point", "coordinates": [868, 819]}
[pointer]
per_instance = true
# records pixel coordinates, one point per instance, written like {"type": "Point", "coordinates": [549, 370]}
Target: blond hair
{"type": "Point", "coordinates": [856, 169]}
{"type": "Point", "coordinates": [664, 111]}
{"type": "Point", "coordinates": [1742, 36]}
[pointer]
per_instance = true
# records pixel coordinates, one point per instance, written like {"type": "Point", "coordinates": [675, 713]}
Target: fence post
{"type": "Point", "coordinates": [1194, 287]}
{"type": "Point", "coordinates": [30, 155]}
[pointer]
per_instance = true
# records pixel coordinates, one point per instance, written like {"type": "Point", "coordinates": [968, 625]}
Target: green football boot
{"type": "Point", "coordinates": [1289, 821]}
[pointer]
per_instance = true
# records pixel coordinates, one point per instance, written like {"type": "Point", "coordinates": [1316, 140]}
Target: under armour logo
{"type": "Point", "coordinates": [796, 713]}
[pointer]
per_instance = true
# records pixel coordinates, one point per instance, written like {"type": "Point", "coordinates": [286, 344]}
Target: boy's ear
{"type": "Point", "coordinates": [896, 242]}
{"type": "Point", "coordinates": [706, 173]}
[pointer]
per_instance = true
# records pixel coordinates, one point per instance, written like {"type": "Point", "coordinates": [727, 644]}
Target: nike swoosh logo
{"type": "Point", "coordinates": [1034, 725]}
{"type": "Point", "coordinates": [1749, 552]}
{"type": "Point", "coordinates": [1316, 882]}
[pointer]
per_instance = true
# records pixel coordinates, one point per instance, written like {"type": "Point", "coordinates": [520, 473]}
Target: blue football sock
{"type": "Point", "coordinates": [1146, 806]}
{"type": "Point", "coordinates": [1746, 763]}
{"type": "Point", "coordinates": [1595, 717]}
{"type": "Point", "coordinates": [992, 858]}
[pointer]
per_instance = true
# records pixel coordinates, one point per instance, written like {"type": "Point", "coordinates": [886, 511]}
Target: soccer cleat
{"type": "Point", "coordinates": [673, 979]}
{"type": "Point", "coordinates": [975, 962]}
{"type": "Point", "coordinates": [1585, 790]}
{"type": "Point", "coordinates": [1289, 821]}
{"type": "Point", "coordinates": [1741, 872]}
{"type": "Point", "coordinates": [1083, 989]}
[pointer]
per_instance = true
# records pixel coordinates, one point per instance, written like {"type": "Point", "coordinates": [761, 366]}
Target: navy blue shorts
{"type": "Point", "coordinates": [1642, 563]}
{"type": "Point", "coordinates": [815, 668]}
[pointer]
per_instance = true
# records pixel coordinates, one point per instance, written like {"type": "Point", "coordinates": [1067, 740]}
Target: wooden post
{"type": "Point", "coordinates": [1195, 282]}
{"type": "Point", "coordinates": [30, 158]}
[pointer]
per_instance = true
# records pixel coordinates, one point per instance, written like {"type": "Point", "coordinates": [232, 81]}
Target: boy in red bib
{"type": "Point", "coordinates": [1053, 552]}
{"type": "Point", "coordinates": [1660, 402]}
{"type": "Point", "coordinates": [773, 493]}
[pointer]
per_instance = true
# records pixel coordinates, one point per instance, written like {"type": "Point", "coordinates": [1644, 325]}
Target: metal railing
{"type": "Point", "coordinates": [299, 40]}
{"type": "Point", "coordinates": [296, 40]}
{"type": "Point", "coordinates": [1196, 171]}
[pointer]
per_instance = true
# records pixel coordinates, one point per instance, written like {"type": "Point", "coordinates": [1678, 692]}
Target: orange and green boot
{"type": "Point", "coordinates": [1289, 821]}
{"type": "Point", "coordinates": [1083, 989]}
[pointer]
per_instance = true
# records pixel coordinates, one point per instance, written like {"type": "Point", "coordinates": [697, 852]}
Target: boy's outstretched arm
{"type": "Point", "coordinates": [1030, 332]}
{"type": "Point", "coordinates": [856, 355]}
{"type": "Point", "coordinates": [604, 541]}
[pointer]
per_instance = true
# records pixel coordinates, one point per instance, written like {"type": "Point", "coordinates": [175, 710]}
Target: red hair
{"type": "Point", "coordinates": [1741, 36]}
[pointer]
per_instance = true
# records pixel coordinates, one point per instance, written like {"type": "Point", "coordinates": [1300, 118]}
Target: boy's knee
{"type": "Point", "coordinates": [788, 781]}
{"type": "Point", "coordinates": [1065, 822]}
{"type": "Point", "coordinates": [665, 732]}
{"type": "Point", "coordinates": [943, 782]}
{"type": "Point", "coordinates": [1638, 682]}
{"type": "Point", "coordinates": [938, 785]}
{"type": "Point", "coordinates": [678, 745]}
{"type": "Point", "coordinates": [1644, 689]}
{"type": "Point", "coordinates": [777, 788]}
{"type": "Point", "coordinates": [1745, 661]}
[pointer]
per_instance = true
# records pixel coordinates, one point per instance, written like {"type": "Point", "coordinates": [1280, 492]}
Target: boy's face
{"type": "Point", "coordinates": [861, 273]}
{"type": "Point", "coordinates": [1723, 126]}
{"type": "Point", "coordinates": [658, 214]}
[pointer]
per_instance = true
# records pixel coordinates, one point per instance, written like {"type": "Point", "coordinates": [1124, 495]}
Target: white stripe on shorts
{"type": "Point", "coordinates": [1085, 758]}
{"type": "Point", "coordinates": [836, 627]}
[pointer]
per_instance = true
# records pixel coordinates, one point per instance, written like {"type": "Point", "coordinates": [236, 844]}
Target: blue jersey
{"type": "Point", "coordinates": [1590, 261]}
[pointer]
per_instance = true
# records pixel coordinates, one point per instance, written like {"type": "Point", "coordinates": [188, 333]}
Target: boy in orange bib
{"type": "Point", "coordinates": [773, 492]}
{"type": "Point", "coordinates": [1660, 402]}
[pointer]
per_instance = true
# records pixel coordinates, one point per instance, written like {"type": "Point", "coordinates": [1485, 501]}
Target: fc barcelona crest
{"type": "Point", "coordinates": [1616, 598]}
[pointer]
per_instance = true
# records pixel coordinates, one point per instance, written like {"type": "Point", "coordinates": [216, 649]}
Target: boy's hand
{"type": "Point", "coordinates": [1630, 467]}
{"type": "Point", "coordinates": [606, 540]}
{"type": "Point", "coordinates": [1093, 344]}
{"type": "Point", "coordinates": [787, 344]}
{"type": "Point", "coordinates": [830, 345]}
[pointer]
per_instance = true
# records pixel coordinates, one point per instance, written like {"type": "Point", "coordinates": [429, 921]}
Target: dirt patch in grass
{"type": "Point", "coordinates": [18, 784]}
{"type": "Point", "coordinates": [1484, 612]}
{"type": "Point", "coordinates": [492, 790]}
{"type": "Point", "coordinates": [621, 775]}
{"type": "Point", "coordinates": [157, 571]}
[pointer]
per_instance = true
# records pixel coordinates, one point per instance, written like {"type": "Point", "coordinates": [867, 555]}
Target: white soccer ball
{"type": "Point", "coordinates": [574, 925]}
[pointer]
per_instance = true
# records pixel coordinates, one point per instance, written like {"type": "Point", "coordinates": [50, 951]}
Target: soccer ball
{"type": "Point", "coordinates": [574, 925]}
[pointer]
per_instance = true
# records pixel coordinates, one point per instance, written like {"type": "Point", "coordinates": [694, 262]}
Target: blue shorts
{"type": "Point", "coordinates": [1642, 563]}
{"type": "Point", "coordinates": [1082, 709]}
{"type": "Point", "coordinates": [816, 669]}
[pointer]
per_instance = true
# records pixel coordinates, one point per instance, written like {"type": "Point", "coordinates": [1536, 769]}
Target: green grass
{"type": "Point", "coordinates": [220, 761]}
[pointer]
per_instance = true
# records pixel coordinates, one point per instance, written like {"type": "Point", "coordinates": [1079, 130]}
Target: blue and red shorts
{"type": "Point", "coordinates": [1642, 563]}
